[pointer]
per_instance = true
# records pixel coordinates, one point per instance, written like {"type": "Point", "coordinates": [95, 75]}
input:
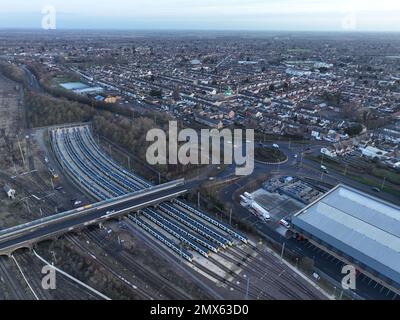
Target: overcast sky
{"type": "Point", "coordinates": [322, 15]}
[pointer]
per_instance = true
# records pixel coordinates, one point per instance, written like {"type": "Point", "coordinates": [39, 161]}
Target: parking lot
{"type": "Point", "coordinates": [333, 267]}
{"type": "Point", "coordinates": [279, 206]}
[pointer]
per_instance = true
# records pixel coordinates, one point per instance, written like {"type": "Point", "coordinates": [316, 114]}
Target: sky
{"type": "Point", "coordinates": [300, 15]}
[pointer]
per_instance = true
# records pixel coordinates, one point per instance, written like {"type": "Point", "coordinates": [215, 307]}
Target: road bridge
{"type": "Point", "coordinates": [26, 235]}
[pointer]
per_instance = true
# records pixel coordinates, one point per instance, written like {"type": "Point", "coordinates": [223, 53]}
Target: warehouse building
{"type": "Point", "coordinates": [361, 229]}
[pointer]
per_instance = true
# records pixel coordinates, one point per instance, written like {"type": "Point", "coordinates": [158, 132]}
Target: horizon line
{"type": "Point", "coordinates": [197, 30]}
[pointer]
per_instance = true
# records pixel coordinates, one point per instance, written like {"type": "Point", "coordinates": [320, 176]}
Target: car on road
{"type": "Point", "coordinates": [324, 169]}
{"type": "Point", "coordinates": [376, 189]}
{"type": "Point", "coordinates": [276, 146]}
{"type": "Point", "coordinates": [316, 276]}
{"type": "Point", "coordinates": [307, 150]}
{"type": "Point", "coordinates": [285, 223]}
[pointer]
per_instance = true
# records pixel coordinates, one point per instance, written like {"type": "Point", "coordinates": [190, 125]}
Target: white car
{"type": "Point", "coordinates": [284, 223]}
{"type": "Point", "coordinates": [316, 276]}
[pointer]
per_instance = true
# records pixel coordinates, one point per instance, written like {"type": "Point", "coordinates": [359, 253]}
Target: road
{"type": "Point", "coordinates": [132, 203]}
{"type": "Point", "coordinates": [32, 81]}
{"type": "Point", "coordinates": [309, 169]}
{"type": "Point", "coordinates": [297, 165]}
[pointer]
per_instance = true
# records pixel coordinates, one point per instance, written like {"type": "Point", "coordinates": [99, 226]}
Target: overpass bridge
{"type": "Point", "coordinates": [26, 235]}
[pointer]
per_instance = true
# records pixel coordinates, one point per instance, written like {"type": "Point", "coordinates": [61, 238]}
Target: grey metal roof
{"type": "Point", "coordinates": [361, 226]}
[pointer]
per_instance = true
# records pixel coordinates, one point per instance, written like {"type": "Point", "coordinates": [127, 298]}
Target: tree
{"type": "Point", "coordinates": [156, 93]}
{"type": "Point", "coordinates": [176, 94]}
{"type": "Point", "coordinates": [354, 129]}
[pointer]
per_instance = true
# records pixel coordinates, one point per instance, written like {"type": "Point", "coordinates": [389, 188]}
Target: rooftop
{"type": "Point", "coordinates": [74, 85]}
{"type": "Point", "coordinates": [359, 225]}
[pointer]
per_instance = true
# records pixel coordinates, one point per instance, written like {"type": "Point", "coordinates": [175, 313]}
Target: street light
{"type": "Point", "coordinates": [384, 182]}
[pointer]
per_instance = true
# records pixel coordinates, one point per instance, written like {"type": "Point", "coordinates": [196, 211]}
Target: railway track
{"type": "Point", "coordinates": [109, 177]}
{"type": "Point", "coordinates": [288, 275]}
{"type": "Point", "coordinates": [109, 268]}
{"type": "Point", "coordinates": [253, 291]}
{"type": "Point", "coordinates": [154, 279]}
{"type": "Point", "coordinates": [15, 289]}
{"type": "Point", "coordinates": [73, 290]}
{"type": "Point", "coordinates": [33, 274]}
{"type": "Point", "coordinates": [263, 280]}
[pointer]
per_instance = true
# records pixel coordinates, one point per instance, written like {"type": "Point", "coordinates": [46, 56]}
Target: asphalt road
{"type": "Point", "coordinates": [310, 169]}
{"type": "Point", "coordinates": [87, 216]}
{"type": "Point", "coordinates": [33, 83]}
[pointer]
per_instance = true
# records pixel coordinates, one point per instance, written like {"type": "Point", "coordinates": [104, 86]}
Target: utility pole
{"type": "Point", "coordinates": [198, 200]}
{"type": "Point", "coordinates": [27, 205]}
{"type": "Point", "coordinates": [384, 182]}
{"type": "Point", "coordinates": [22, 154]}
{"type": "Point", "coordinates": [129, 162]}
{"type": "Point", "coordinates": [283, 249]}
{"type": "Point", "coordinates": [15, 168]}
{"type": "Point", "coordinates": [247, 288]}
{"type": "Point", "coordinates": [181, 253]}
{"type": "Point", "coordinates": [230, 217]}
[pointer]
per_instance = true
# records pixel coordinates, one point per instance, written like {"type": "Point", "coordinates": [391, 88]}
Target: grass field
{"type": "Point", "coordinates": [380, 174]}
{"type": "Point", "coordinates": [391, 176]}
{"type": "Point", "coordinates": [269, 155]}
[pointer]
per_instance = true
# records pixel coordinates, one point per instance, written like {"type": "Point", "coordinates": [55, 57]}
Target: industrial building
{"type": "Point", "coordinates": [359, 228]}
{"type": "Point", "coordinates": [81, 88]}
